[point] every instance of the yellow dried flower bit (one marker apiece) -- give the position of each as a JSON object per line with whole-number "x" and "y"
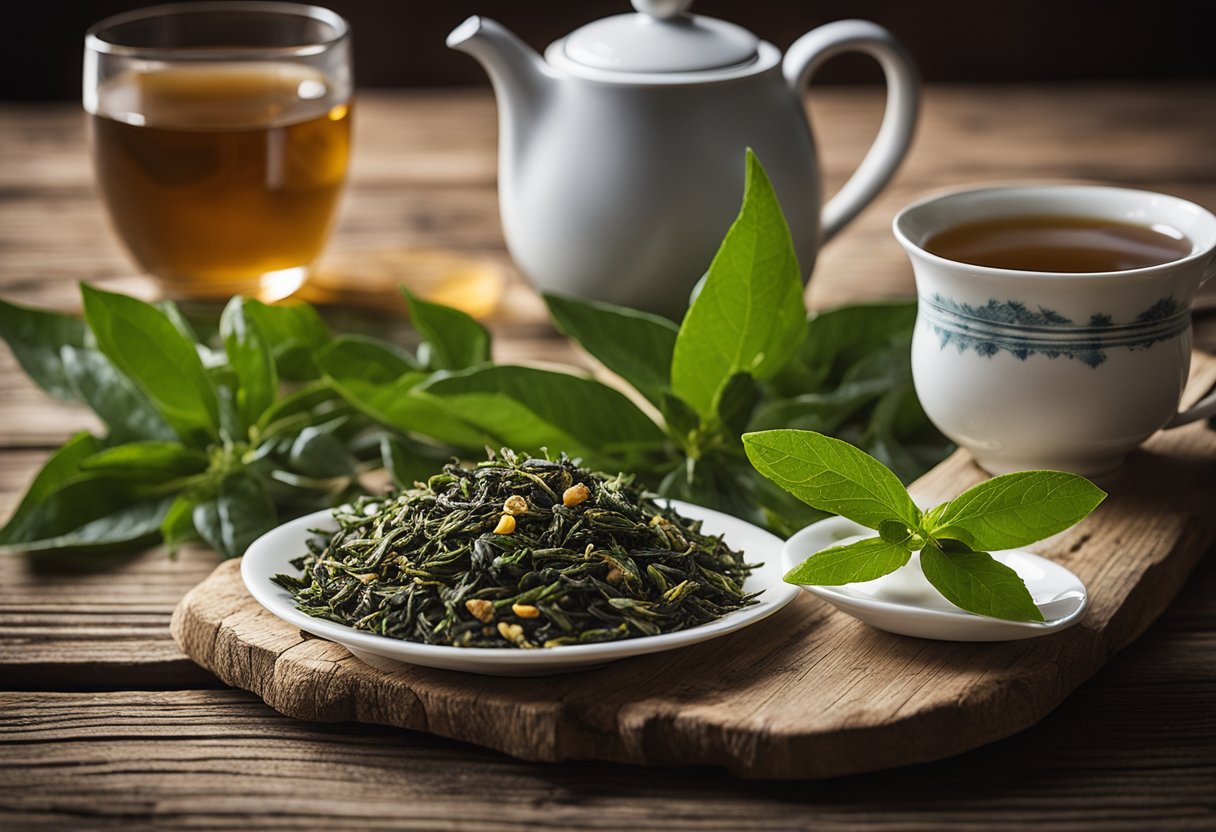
{"x": 515, "y": 504}
{"x": 513, "y": 633}
{"x": 506, "y": 525}
{"x": 575, "y": 494}
{"x": 368, "y": 577}
{"x": 525, "y": 610}
{"x": 480, "y": 609}
{"x": 614, "y": 576}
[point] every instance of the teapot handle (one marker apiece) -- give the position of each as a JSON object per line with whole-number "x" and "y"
{"x": 807, "y": 54}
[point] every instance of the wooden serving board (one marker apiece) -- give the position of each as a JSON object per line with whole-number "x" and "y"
{"x": 809, "y": 692}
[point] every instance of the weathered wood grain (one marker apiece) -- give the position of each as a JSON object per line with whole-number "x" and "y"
{"x": 91, "y": 622}
{"x": 807, "y": 693}
{"x": 102, "y": 623}
{"x": 1133, "y": 750}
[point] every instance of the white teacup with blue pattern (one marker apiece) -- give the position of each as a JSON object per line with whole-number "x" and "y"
{"x": 1068, "y": 371}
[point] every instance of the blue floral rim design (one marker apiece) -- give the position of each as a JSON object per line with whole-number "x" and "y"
{"x": 1013, "y": 327}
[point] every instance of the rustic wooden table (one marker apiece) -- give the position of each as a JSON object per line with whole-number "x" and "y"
{"x": 104, "y": 724}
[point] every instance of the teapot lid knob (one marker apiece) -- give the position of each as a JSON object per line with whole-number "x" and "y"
{"x": 662, "y": 37}
{"x": 662, "y": 9}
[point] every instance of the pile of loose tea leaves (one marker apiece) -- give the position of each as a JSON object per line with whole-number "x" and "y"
{"x": 517, "y": 552}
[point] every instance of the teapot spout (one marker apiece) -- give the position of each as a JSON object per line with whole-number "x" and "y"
{"x": 521, "y": 78}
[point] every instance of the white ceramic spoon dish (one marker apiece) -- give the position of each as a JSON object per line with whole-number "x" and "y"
{"x": 273, "y": 552}
{"x": 904, "y": 602}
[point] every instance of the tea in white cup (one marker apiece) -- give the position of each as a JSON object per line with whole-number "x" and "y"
{"x": 1065, "y": 342}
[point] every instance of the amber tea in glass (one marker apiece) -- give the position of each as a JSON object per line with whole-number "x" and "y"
{"x": 221, "y": 134}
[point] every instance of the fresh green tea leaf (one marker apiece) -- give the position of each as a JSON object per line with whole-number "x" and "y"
{"x": 1016, "y": 509}
{"x": 713, "y": 483}
{"x": 780, "y": 511}
{"x": 35, "y": 337}
{"x": 865, "y": 397}
{"x": 724, "y": 482}
{"x": 150, "y": 460}
{"x": 882, "y": 439}
{"x": 127, "y": 527}
{"x": 239, "y": 514}
{"x": 295, "y": 332}
{"x": 126, "y": 411}
{"x": 681, "y": 420}
{"x": 749, "y": 316}
{"x": 67, "y": 507}
{"x": 396, "y": 461}
{"x": 831, "y": 475}
{"x": 736, "y": 401}
{"x": 300, "y": 494}
{"x": 399, "y": 406}
{"x": 893, "y": 428}
{"x": 149, "y": 350}
{"x": 224, "y": 382}
{"x": 909, "y": 459}
{"x": 251, "y": 359}
{"x": 60, "y": 467}
{"x": 820, "y": 412}
{"x": 379, "y": 380}
{"x": 527, "y": 408}
{"x": 456, "y": 340}
{"x": 895, "y": 531}
{"x": 177, "y": 526}
{"x": 861, "y": 560}
{"x": 174, "y": 313}
{"x": 368, "y": 359}
{"x": 403, "y": 465}
{"x": 318, "y": 452}
{"x": 313, "y": 403}
{"x": 973, "y": 581}
{"x": 838, "y": 338}
{"x": 637, "y": 346}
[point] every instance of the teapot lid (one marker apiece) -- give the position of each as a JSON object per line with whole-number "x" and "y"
{"x": 661, "y": 37}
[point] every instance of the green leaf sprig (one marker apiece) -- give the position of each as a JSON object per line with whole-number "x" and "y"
{"x": 953, "y": 539}
{"x": 200, "y": 443}
{"x": 276, "y": 417}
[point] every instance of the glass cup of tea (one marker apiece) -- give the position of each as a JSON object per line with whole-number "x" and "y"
{"x": 220, "y": 135}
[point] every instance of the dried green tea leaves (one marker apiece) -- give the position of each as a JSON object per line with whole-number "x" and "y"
{"x": 518, "y": 552}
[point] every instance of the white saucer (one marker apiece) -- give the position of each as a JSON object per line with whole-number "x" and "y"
{"x": 273, "y": 552}
{"x": 904, "y": 602}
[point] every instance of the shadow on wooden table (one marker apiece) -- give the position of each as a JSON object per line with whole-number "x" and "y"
{"x": 67, "y": 563}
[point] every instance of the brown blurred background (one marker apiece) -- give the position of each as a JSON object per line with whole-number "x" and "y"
{"x": 400, "y": 44}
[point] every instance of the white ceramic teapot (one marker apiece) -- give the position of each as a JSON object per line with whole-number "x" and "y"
{"x": 621, "y": 152}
